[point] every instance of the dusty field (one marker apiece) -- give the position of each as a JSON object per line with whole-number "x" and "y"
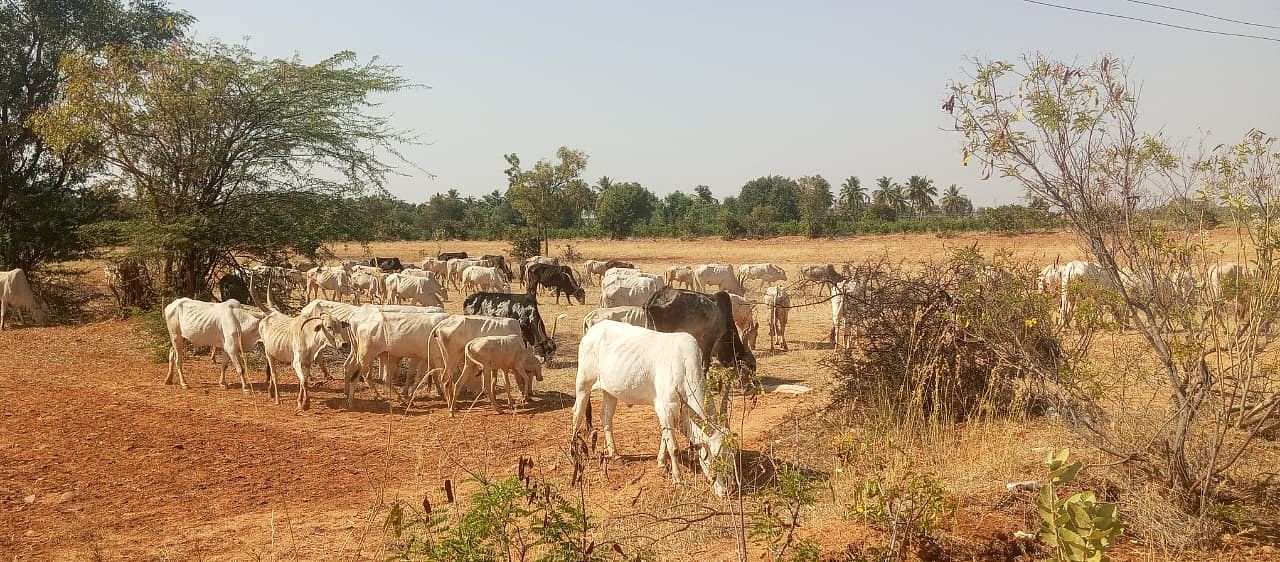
{"x": 99, "y": 460}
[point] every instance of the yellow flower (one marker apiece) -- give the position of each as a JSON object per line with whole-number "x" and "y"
{"x": 1030, "y": 322}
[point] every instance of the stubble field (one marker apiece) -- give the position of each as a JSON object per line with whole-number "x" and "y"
{"x": 99, "y": 460}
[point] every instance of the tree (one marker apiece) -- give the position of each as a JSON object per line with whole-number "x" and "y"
{"x": 622, "y": 205}
{"x": 676, "y": 205}
{"x": 890, "y": 195}
{"x": 549, "y": 191}
{"x": 775, "y": 191}
{"x": 1067, "y": 133}
{"x": 704, "y": 193}
{"x": 954, "y": 203}
{"x": 920, "y": 192}
{"x": 815, "y": 204}
{"x": 208, "y": 136}
{"x": 853, "y": 198}
{"x": 43, "y": 199}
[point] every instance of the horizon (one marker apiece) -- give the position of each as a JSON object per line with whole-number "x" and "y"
{"x": 736, "y": 93}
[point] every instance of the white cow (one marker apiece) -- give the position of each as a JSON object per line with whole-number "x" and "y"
{"x": 15, "y": 291}
{"x": 448, "y": 339}
{"x": 628, "y": 290}
{"x": 481, "y": 278}
{"x": 766, "y": 273}
{"x": 365, "y": 282}
{"x": 720, "y": 275}
{"x": 1077, "y": 277}
{"x": 682, "y": 274}
{"x": 440, "y": 268}
{"x": 415, "y": 272}
{"x": 388, "y": 337}
{"x": 1229, "y": 281}
{"x": 459, "y": 265}
{"x": 298, "y": 341}
{"x": 327, "y": 281}
{"x": 227, "y": 325}
{"x": 424, "y": 291}
{"x": 841, "y": 322}
{"x": 594, "y": 267}
{"x": 634, "y": 315}
{"x": 779, "y": 303}
{"x": 620, "y": 361}
{"x": 489, "y": 356}
{"x": 1050, "y": 280}
{"x": 744, "y": 317}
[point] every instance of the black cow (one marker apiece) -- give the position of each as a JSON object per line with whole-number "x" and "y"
{"x": 708, "y": 318}
{"x": 387, "y": 265}
{"x": 618, "y": 263}
{"x": 521, "y": 307}
{"x": 232, "y": 286}
{"x": 558, "y": 278}
{"x": 446, "y": 256}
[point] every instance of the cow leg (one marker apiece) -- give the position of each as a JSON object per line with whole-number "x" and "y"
{"x": 608, "y": 404}
{"x": 300, "y": 367}
{"x": 176, "y": 350}
{"x": 222, "y": 374}
{"x": 668, "y": 417}
{"x": 506, "y": 381}
{"x": 3, "y": 308}
{"x": 273, "y": 387}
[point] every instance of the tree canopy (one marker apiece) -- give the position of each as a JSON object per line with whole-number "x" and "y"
{"x": 43, "y": 198}
{"x": 208, "y": 136}
{"x": 621, "y": 205}
{"x": 551, "y": 193}
{"x": 775, "y": 191}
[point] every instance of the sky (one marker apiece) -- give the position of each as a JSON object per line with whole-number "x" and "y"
{"x": 679, "y": 94}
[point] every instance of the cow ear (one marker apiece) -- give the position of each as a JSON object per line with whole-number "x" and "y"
{"x": 319, "y": 327}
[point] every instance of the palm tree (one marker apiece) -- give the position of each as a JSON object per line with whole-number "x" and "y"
{"x": 954, "y": 203}
{"x": 890, "y": 194}
{"x": 853, "y": 197}
{"x": 920, "y": 192}
{"x": 605, "y": 182}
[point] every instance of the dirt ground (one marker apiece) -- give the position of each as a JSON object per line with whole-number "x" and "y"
{"x": 99, "y": 460}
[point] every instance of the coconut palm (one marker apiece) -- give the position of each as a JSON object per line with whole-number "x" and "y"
{"x": 920, "y": 192}
{"x": 890, "y": 194}
{"x": 954, "y": 203}
{"x": 853, "y": 197}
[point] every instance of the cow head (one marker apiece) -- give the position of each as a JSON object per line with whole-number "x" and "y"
{"x": 730, "y": 350}
{"x": 330, "y": 330}
{"x": 714, "y": 458}
{"x": 581, "y": 295}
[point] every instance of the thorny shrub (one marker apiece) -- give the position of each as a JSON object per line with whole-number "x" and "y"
{"x": 773, "y": 526}
{"x": 950, "y": 340}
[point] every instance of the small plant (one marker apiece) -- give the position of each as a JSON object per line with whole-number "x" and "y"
{"x": 1079, "y": 528}
{"x": 571, "y": 254}
{"x": 911, "y": 505}
{"x": 774, "y": 526}
{"x": 517, "y": 518}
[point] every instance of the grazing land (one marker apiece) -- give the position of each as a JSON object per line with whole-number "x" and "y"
{"x": 99, "y": 460}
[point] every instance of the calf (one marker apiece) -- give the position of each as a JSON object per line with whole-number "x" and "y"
{"x": 682, "y": 274}
{"x": 621, "y": 362}
{"x": 447, "y": 340}
{"x": 16, "y": 292}
{"x": 779, "y": 303}
{"x": 228, "y": 326}
{"x": 365, "y": 282}
{"x": 490, "y": 355}
{"x": 298, "y": 341}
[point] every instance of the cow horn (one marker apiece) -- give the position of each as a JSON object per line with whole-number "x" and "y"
{"x": 555, "y": 323}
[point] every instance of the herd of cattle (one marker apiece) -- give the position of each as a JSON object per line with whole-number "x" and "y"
{"x": 501, "y": 333}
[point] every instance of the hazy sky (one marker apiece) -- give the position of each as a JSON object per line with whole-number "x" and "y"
{"x": 676, "y": 94}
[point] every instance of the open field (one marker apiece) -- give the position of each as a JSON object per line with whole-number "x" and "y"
{"x": 98, "y": 459}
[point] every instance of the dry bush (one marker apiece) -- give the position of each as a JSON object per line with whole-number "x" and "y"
{"x": 948, "y": 341}
{"x": 131, "y": 285}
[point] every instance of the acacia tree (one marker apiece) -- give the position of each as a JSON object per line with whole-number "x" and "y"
{"x": 815, "y": 204}
{"x": 1067, "y": 133}
{"x": 43, "y": 200}
{"x": 209, "y": 139}
{"x": 550, "y": 191}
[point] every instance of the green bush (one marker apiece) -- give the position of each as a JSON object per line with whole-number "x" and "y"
{"x": 1079, "y": 528}
{"x": 525, "y": 244}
